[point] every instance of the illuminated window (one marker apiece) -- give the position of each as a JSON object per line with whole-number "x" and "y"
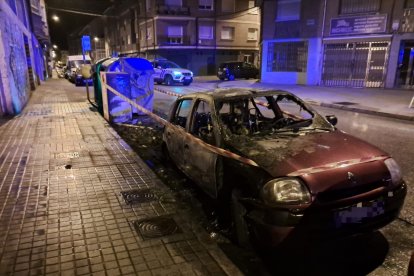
{"x": 287, "y": 56}
{"x": 358, "y": 6}
{"x": 175, "y": 34}
{"x": 205, "y": 32}
{"x": 205, "y": 5}
{"x": 288, "y": 10}
{"x": 227, "y": 33}
{"x": 252, "y": 34}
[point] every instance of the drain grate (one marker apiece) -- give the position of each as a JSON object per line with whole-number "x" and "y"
{"x": 345, "y": 103}
{"x": 156, "y": 227}
{"x": 139, "y": 196}
{"x": 67, "y": 155}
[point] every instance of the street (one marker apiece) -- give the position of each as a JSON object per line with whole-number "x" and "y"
{"x": 392, "y": 135}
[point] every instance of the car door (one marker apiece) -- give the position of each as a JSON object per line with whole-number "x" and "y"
{"x": 157, "y": 71}
{"x": 199, "y": 162}
{"x": 174, "y": 136}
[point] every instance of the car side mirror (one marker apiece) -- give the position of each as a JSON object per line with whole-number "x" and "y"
{"x": 332, "y": 119}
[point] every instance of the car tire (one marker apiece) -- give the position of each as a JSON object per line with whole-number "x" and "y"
{"x": 168, "y": 80}
{"x": 231, "y": 77}
{"x": 186, "y": 83}
{"x": 222, "y": 79}
{"x": 240, "y": 228}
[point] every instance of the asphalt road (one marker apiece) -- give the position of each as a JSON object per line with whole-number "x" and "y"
{"x": 383, "y": 253}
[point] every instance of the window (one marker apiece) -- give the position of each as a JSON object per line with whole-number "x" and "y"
{"x": 173, "y": 3}
{"x": 181, "y": 113}
{"x": 205, "y": 5}
{"x": 149, "y": 33}
{"x": 287, "y": 57}
{"x": 227, "y": 6}
{"x": 202, "y": 125}
{"x": 409, "y": 4}
{"x": 227, "y": 33}
{"x": 175, "y": 34}
{"x": 358, "y": 6}
{"x": 252, "y": 34}
{"x": 252, "y": 9}
{"x": 205, "y": 32}
{"x": 288, "y": 10}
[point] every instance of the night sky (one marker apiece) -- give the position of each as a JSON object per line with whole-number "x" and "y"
{"x": 70, "y": 22}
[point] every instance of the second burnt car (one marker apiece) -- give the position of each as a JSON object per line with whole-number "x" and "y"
{"x": 310, "y": 177}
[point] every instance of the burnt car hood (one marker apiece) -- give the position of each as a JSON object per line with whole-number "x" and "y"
{"x": 284, "y": 154}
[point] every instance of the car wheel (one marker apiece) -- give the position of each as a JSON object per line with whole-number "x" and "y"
{"x": 222, "y": 79}
{"x": 231, "y": 77}
{"x": 239, "y": 225}
{"x": 168, "y": 80}
{"x": 186, "y": 83}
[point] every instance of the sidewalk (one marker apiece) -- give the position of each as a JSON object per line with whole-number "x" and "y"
{"x": 65, "y": 176}
{"x": 377, "y": 101}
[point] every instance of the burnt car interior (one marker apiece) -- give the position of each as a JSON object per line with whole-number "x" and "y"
{"x": 256, "y": 115}
{"x": 202, "y": 125}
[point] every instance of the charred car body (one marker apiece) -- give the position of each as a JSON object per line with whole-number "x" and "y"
{"x": 309, "y": 176}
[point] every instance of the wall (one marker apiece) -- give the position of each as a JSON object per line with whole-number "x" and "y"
{"x": 15, "y": 78}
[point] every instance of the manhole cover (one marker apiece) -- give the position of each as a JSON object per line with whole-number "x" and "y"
{"x": 138, "y": 196}
{"x": 345, "y": 103}
{"x": 156, "y": 227}
{"x": 67, "y": 155}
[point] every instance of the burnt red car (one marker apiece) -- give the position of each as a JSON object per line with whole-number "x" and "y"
{"x": 310, "y": 177}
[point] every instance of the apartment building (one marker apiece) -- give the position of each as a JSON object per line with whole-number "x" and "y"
{"x": 196, "y": 34}
{"x": 339, "y": 42}
{"x": 24, "y": 41}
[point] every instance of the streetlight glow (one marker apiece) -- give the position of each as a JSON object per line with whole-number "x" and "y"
{"x": 96, "y": 38}
{"x": 55, "y": 18}
{"x": 55, "y": 46}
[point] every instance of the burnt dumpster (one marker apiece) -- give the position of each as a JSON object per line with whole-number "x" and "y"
{"x": 132, "y": 77}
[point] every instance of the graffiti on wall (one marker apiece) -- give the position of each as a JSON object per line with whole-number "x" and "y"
{"x": 15, "y": 55}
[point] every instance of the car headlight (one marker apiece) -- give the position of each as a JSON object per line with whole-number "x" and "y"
{"x": 285, "y": 191}
{"x": 176, "y": 73}
{"x": 394, "y": 170}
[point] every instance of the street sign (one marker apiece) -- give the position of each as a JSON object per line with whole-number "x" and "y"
{"x": 86, "y": 43}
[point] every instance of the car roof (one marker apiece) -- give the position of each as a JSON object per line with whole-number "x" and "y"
{"x": 235, "y": 93}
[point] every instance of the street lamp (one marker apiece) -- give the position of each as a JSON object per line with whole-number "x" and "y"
{"x": 55, "y": 18}
{"x": 55, "y": 46}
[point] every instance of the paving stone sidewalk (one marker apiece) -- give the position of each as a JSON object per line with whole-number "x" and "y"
{"x": 62, "y": 171}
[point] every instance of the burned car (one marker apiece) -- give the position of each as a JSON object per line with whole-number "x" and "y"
{"x": 302, "y": 175}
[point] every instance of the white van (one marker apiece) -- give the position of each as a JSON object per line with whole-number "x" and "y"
{"x": 73, "y": 68}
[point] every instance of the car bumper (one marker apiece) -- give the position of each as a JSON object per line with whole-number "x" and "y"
{"x": 222, "y": 74}
{"x": 275, "y": 227}
{"x": 83, "y": 80}
{"x": 183, "y": 79}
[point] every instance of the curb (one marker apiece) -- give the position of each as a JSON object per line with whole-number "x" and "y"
{"x": 364, "y": 111}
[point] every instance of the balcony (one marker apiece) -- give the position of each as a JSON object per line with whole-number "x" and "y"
{"x": 174, "y": 40}
{"x": 173, "y": 10}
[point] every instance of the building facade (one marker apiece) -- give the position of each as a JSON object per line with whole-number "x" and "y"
{"x": 24, "y": 38}
{"x": 339, "y": 42}
{"x": 196, "y": 34}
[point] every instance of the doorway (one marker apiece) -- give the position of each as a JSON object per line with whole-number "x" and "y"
{"x": 405, "y": 68}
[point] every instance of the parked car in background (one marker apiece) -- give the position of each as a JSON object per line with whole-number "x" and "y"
{"x": 237, "y": 69}
{"x": 310, "y": 178}
{"x": 73, "y": 69}
{"x": 169, "y": 73}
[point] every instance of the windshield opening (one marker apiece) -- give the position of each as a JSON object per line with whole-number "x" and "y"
{"x": 267, "y": 115}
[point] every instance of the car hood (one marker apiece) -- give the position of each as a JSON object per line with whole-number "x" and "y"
{"x": 181, "y": 70}
{"x": 286, "y": 154}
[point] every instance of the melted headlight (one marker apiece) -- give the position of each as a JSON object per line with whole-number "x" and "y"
{"x": 395, "y": 171}
{"x": 286, "y": 191}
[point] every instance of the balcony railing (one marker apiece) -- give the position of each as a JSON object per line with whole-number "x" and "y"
{"x": 174, "y": 40}
{"x": 173, "y": 10}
